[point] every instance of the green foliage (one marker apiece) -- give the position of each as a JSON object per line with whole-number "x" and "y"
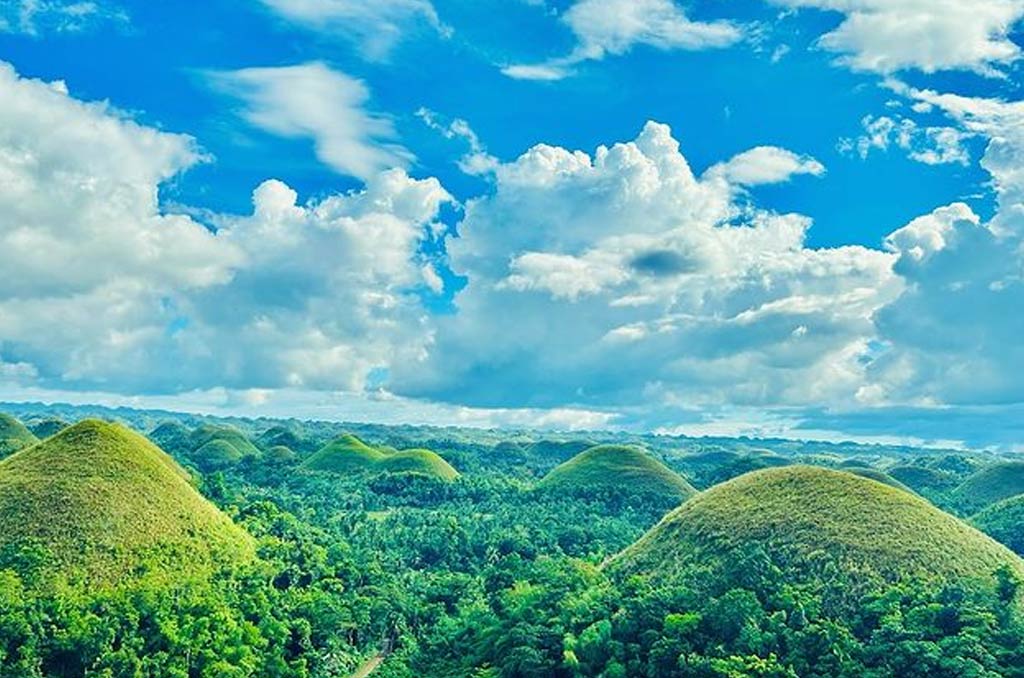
{"x": 102, "y": 501}
{"x": 989, "y": 485}
{"x": 782, "y": 573}
{"x": 350, "y": 455}
{"x": 13, "y": 435}
{"x": 618, "y": 469}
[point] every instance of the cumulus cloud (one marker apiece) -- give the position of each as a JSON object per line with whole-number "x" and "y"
{"x": 932, "y": 145}
{"x": 38, "y": 17}
{"x": 765, "y": 165}
{"x": 614, "y": 27}
{"x": 953, "y": 336}
{"x": 313, "y": 101}
{"x": 886, "y": 36}
{"x": 104, "y": 288}
{"x": 624, "y": 279}
{"x": 376, "y": 27}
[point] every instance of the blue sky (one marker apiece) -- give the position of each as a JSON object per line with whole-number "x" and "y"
{"x": 407, "y": 256}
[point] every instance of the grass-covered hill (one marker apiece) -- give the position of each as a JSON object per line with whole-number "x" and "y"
{"x": 350, "y": 455}
{"x": 618, "y": 469}
{"x": 879, "y": 476}
{"x": 989, "y": 485}
{"x": 105, "y": 504}
{"x": 1004, "y": 522}
{"x": 14, "y": 435}
{"x": 814, "y": 525}
{"x": 924, "y": 480}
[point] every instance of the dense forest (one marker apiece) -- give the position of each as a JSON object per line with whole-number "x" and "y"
{"x": 140, "y": 543}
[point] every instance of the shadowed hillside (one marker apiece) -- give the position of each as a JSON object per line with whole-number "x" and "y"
{"x": 13, "y": 435}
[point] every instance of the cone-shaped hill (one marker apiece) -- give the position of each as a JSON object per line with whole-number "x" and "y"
{"x": 107, "y": 505}
{"x": 619, "y": 469}
{"x": 808, "y": 521}
{"x": 990, "y": 484}
{"x": 13, "y": 435}
{"x": 350, "y": 455}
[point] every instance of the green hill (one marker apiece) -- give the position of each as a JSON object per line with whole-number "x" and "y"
{"x": 217, "y": 455}
{"x": 808, "y": 521}
{"x": 207, "y": 433}
{"x": 878, "y": 476}
{"x": 350, "y": 455}
{"x": 617, "y": 468}
{"x": 13, "y": 435}
{"x": 924, "y": 480}
{"x": 1004, "y": 522}
{"x": 106, "y": 505}
{"x": 989, "y": 485}
{"x": 281, "y": 454}
{"x": 424, "y": 462}
{"x": 44, "y": 428}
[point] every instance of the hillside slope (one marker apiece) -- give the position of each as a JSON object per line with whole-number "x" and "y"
{"x": 14, "y": 435}
{"x": 107, "y": 505}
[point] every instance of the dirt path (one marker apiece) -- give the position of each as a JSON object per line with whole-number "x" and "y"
{"x": 369, "y": 666}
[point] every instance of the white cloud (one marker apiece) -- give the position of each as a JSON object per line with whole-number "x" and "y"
{"x": 622, "y": 279}
{"x": 477, "y": 161}
{"x": 315, "y": 102}
{"x": 614, "y": 27}
{"x": 38, "y": 17}
{"x": 938, "y": 145}
{"x": 886, "y": 36}
{"x": 376, "y": 26}
{"x": 765, "y": 165}
{"x": 103, "y": 288}
{"x": 953, "y": 336}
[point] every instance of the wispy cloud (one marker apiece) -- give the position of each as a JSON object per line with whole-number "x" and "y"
{"x": 614, "y": 27}
{"x": 316, "y": 102}
{"x": 376, "y": 26}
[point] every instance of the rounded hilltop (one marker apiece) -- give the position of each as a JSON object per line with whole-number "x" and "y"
{"x": 106, "y": 505}
{"x": 989, "y": 485}
{"x": 349, "y": 455}
{"x": 14, "y": 435}
{"x": 619, "y": 469}
{"x": 808, "y": 521}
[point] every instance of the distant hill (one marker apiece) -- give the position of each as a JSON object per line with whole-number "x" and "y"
{"x": 880, "y": 476}
{"x": 1004, "y": 522}
{"x": 618, "y": 468}
{"x": 350, "y": 455}
{"x": 989, "y": 485}
{"x": 106, "y": 505}
{"x": 808, "y": 521}
{"x": 14, "y": 435}
{"x": 46, "y": 427}
{"x": 924, "y": 480}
